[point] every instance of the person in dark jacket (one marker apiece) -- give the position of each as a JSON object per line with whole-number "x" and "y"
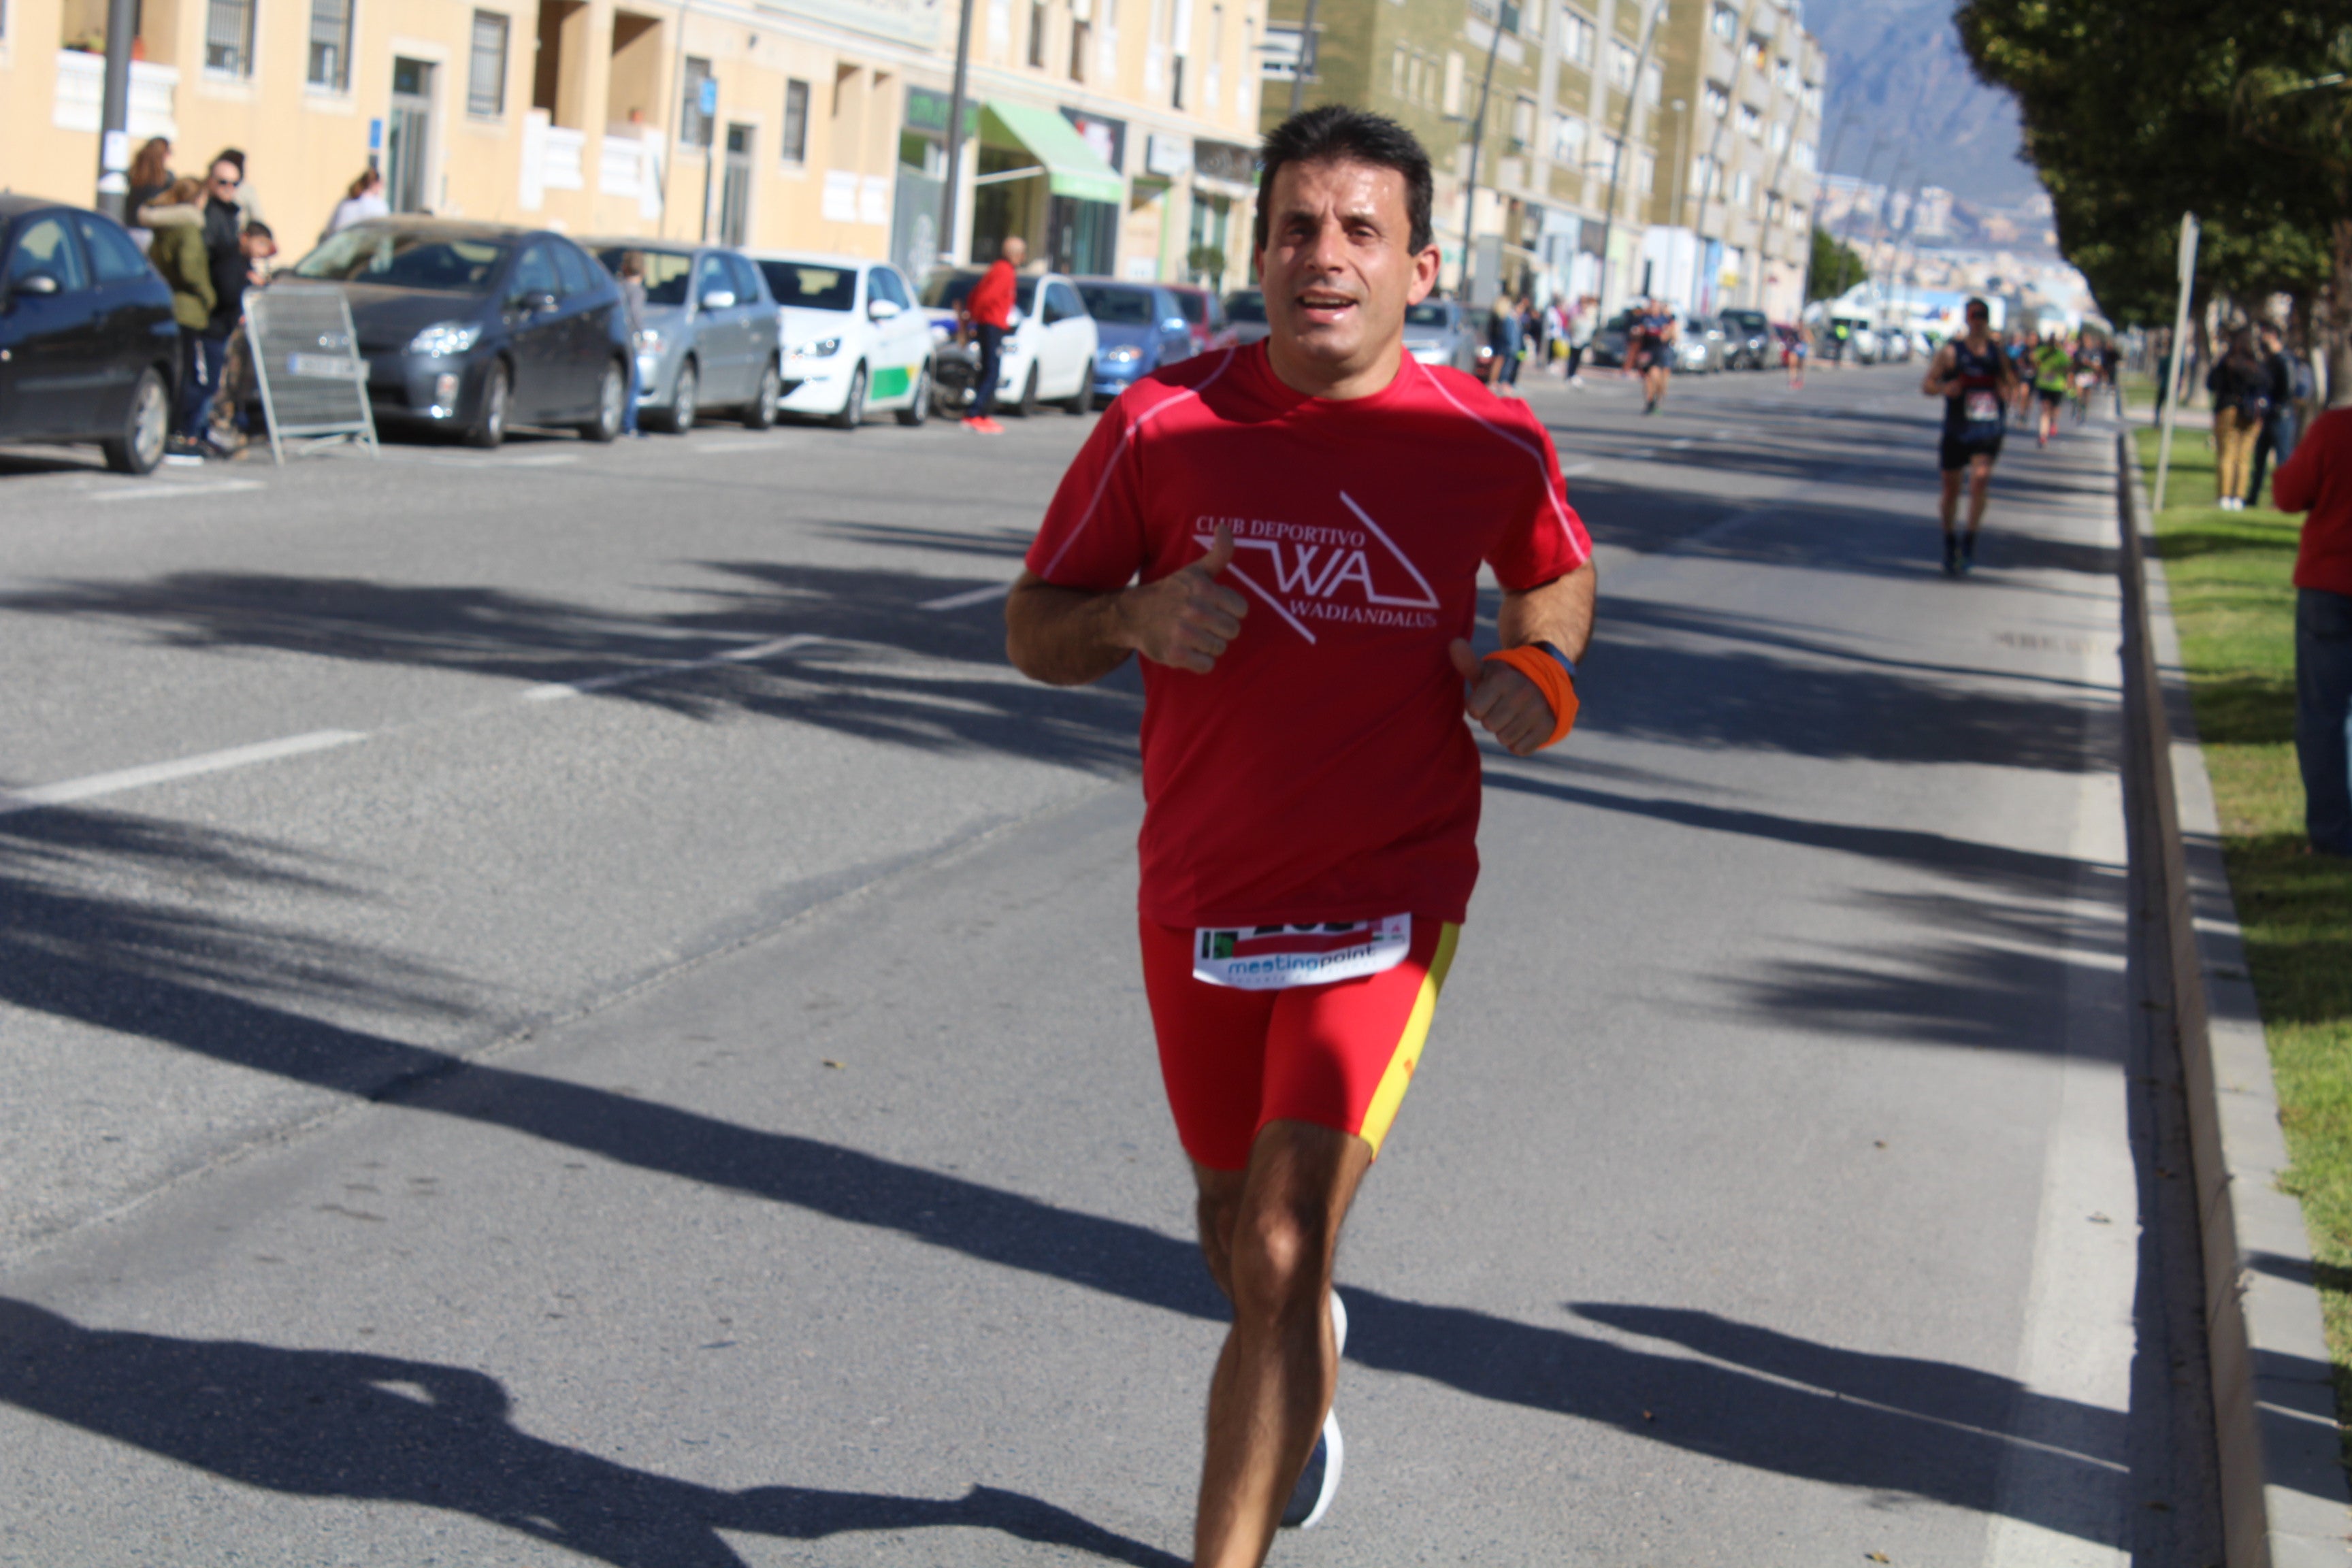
{"x": 2241, "y": 388}
{"x": 2318, "y": 480}
{"x": 177, "y": 250}
{"x": 224, "y": 257}
{"x": 2276, "y": 441}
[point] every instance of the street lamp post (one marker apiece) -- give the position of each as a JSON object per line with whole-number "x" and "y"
{"x": 947, "y": 250}
{"x": 114, "y": 110}
{"x": 1305, "y": 57}
{"x": 1478, "y": 138}
{"x": 1624, "y": 134}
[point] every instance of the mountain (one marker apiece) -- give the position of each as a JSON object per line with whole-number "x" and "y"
{"x": 1897, "y": 72}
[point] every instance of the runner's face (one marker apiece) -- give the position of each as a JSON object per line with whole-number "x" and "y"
{"x": 1338, "y": 269}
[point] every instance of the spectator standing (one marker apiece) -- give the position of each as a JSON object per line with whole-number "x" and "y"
{"x": 151, "y": 177}
{"x": 237, "y": 385}
{"x": 1506, "y": 336}
{"x": 362, "y": 202}
{"x": 1579, "y": 337}
{"x": 223, "y": 227}
{"x": 2283, "y": 419}
{"x": 988, "y": 312}
{"x": 2241, "y": 400}
{"x": 2318, "y": 480}
{"x": 177, "y": 249}
{"x": 632, "y": 278}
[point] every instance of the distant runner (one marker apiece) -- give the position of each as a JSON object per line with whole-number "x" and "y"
{"x": 1289, "y": 534}
{"x": 2053, "y": 373}
{"x": 1972, "y": 375}
{"x": 1652, "y": 338}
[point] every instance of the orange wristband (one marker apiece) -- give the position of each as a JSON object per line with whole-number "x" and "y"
{"x": 1558, "y": 690}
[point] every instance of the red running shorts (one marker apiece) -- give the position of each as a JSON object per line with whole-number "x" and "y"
{"x": 1339, "y": 1056}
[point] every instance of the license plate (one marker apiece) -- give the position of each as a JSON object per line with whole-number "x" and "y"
{"x": 326, "y": 368}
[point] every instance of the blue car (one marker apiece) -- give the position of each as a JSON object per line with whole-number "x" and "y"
{"x": 1138, "y": 328}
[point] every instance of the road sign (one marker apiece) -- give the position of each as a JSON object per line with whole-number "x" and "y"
{"x": 710, "y": 95}
{"x": 375, "y": 135}
{"x": 307, "y": 358}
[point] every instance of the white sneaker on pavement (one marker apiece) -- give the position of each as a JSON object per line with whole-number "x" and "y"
{"x": 1311, "y": 1499}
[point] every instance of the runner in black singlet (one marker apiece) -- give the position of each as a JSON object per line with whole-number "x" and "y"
{"x": 1653, "y": 338}
{"x": 1973, "y": 376}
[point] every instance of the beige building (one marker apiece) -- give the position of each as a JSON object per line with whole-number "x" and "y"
{"x": 1567, "y": 152}
{"x": 1114, "y": 133}
{"x": 1743, "y": 85}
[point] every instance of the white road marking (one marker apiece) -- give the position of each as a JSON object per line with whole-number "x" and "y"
{"x": 969, "y": 596}
{"x": 1573, "y": 469}
{"x": 539, "y": 460}
{"x": 707, "y": 448}
{"x": 555, "y": 691}
{"x": 168, "y": 490}
{"x": 186, "y": 767}
{"x": 1678, "y": 445}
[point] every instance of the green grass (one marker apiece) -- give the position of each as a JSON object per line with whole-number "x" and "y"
{"x": 2233, "y": 603}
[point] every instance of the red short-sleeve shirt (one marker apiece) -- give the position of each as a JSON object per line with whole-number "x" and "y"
{"x": 1323, "y": 771}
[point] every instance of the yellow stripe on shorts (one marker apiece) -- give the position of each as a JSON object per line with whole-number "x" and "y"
{"x": 1399, "y": 1076}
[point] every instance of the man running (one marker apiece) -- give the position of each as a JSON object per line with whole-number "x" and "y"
{"x": 1653, "y": 336}
{"x": 1289, "y": 534}
{"x": 1972, "y": 375}
{"x": 2053, "y": 367}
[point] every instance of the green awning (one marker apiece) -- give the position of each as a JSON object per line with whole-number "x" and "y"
{"x": 1073, "y": 168}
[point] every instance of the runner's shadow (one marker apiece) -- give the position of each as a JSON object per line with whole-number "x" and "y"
{"x": 340, "y": 1424}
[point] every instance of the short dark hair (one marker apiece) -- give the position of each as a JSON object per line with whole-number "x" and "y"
{"x": 1976, "y": 305}
{"x": 1336, "y": 133}
{"x": 230, "y": 155}
{"x": 260, "y": 230}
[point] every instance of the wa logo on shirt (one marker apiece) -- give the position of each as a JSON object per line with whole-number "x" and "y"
{"x": 1350, "y": 573}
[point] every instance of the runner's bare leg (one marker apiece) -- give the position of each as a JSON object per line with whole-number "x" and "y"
{"x": 1980, "y": 490}
{"x": 1269, "y": 1234}
{"x": 1948, "y": 505}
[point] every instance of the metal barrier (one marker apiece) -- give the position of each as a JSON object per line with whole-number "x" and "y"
{"x": 313, "y": 378}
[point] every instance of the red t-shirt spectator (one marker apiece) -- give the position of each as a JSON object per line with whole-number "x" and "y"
{"x": 1323, "y": 770}
{"x": 990, "y": 301}
{"x": 2318, "y": 480}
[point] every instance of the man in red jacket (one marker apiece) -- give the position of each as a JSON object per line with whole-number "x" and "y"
{"x": 988, "y": 310}
{"x": 2318, "y": 480}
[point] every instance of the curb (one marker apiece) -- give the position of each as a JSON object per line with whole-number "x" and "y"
{"x": 2284, "y": 1495}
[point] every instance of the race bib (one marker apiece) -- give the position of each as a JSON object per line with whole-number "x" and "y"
{"x": 1982, "y": 407}
{"x": 1274, "y": 958}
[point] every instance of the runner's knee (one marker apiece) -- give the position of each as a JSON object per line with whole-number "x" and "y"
{"x": 1281, "y": 1254}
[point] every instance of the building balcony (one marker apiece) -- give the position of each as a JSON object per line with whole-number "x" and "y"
{"x": 81, "y": 96}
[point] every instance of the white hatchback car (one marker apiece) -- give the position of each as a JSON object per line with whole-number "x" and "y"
{"x": 853, "y": 338}
{"x": 1049, "y": 353}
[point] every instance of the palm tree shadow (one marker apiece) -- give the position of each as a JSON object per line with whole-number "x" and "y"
{"x": 347, "y": 1425}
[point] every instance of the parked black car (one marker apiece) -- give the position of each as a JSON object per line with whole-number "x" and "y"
{"x": 473, "y": 327}
{"x": 88, "y": 351}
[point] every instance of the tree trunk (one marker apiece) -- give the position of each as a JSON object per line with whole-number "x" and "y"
{"x": 2338, "y": 386}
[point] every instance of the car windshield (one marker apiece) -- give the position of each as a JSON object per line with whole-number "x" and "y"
{"x": 404, "y": 258}
{"x": 1121, "y": 307}
{"x": 667, "y": 272}
{"x": 1248, "y": 305}
{"x": 944, "y": 290}
{"x": 1745, "y": 321}
{"x": 1195, "y": 307}
{"x": 810, "y": 286}
{"x": 1621, "y": 322}
{"x": 1428, "y": 314}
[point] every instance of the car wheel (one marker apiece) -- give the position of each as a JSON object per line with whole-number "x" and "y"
{"x": 760, "y": 414}
{"x": 140, "y": 446}
{"x": 489, "y": 427}
{"x": 686, "y": 402}
{"x": 1028, "y": 403}
{"x": 1082, "y": 401}
{"x": 920, "y": 407}
{"x": 853, "y": 407}
{"x": 611, "y": 391}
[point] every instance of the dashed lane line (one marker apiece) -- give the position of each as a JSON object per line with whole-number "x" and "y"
{"x": 967, "y": 597}
{"x": 96, "y": 784}
{"x": 71, "y": 791}
{"x": 168, "y": 490}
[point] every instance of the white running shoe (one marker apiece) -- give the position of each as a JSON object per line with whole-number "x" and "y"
{"x": 1311, "y": 1499}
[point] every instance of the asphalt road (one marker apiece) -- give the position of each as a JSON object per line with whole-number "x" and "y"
{"x": 565, "y": 1006}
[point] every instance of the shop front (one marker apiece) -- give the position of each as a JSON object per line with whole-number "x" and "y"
{"x": 1040, "y": 179}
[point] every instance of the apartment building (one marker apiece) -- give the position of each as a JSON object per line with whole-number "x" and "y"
{"x": 1109, "y": 133}
{"x": 1743, "y": 88}
{"x": 1568, "y": 152}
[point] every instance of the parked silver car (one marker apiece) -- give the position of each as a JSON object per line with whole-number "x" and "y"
{"x": 1700, "y": 349}
{"x": 1245, "y": 309}
{"x": 709, "y": 339}
{"x": 1440, "y": 331}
